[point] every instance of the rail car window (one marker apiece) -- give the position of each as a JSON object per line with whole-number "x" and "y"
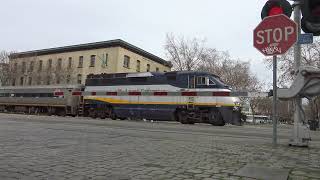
{"x": 4, "y": 94}
{"x": 28, "y": 95}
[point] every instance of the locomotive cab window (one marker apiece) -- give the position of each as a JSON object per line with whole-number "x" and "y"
{"x": 205, "y": 81}
{"x": 201, "y": 80}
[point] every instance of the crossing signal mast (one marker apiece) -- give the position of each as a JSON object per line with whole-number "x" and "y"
{"x": 310, "y": 24}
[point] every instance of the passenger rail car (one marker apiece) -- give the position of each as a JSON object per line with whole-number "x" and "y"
{"x": 187, "y": 97}
{"x": 58, "y": 100}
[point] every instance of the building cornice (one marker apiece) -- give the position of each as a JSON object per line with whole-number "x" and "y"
{"x": 90, "y": 46}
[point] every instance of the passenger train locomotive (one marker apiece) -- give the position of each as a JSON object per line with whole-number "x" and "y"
{"x": 184, "y": 96}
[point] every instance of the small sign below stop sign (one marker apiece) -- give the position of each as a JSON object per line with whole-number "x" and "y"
{"x": 275, "y": 35}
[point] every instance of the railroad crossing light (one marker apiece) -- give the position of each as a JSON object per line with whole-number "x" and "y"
{"x": 275, "y": 7}
{"x": 310, "y": 22}
{"x": 270, "y": 93}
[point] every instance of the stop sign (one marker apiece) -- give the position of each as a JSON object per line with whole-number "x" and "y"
{"x": 275, "y": 35}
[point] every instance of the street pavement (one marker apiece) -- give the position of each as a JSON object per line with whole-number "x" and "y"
{"x": 43, "y": 147}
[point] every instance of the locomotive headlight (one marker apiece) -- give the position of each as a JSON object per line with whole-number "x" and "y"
{"x": 237, "y": 106}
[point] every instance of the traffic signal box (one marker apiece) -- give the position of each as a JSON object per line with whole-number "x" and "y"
{"x": 310, "y": 22}
{"x": 275, "y": 7}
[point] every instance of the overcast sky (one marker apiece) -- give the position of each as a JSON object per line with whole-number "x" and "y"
{"x": 227, "y": 25}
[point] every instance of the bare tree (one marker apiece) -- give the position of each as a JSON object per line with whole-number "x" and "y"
{"x": 5, "y": 73}
{"x": 233, "y": 72}
{"x": 185, "y": 54}
{"x": 310, "y": 57}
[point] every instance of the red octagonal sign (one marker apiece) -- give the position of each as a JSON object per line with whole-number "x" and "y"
{"x": 275, "y": 35}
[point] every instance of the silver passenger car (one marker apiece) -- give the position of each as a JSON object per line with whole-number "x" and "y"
{"x": 59, "y": 100}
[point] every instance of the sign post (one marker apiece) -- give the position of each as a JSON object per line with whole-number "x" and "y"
{"x": 274, "y": 36}
{"x": 274, "y": 104}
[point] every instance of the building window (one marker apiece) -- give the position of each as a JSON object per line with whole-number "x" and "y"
{"x": 80, "y": 65}
{"x": 92, "y": 60}
{"x": 79, "y": 77}
{"x": 68, "y": 79}
{"x": 40, "y": 65}
{"x": 106, "y": 60}
{"x": 157, "y": 69}
{"x": 58, "y": 79}
{"x": 39, "y": 80}
{"x": 138, "y": 66}
{"x": 31, "y": 66}
{"x": 126, "y": 61}
{"x": 48, "y": 80}
{"x": 13, "y": 82}
{"x": 148, "y": 67}
{"x": 29, "y": 81}
{"x": 23, "y": 69}
{"x": 15, "y": 67}
{"x": 49, "y": 63}
{"x": 70, "y": 62}
{"x": 21, "y": 81}
{"x": 59, "y": 65}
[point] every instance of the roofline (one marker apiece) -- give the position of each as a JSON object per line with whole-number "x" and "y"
{"x": 94, "y": 45}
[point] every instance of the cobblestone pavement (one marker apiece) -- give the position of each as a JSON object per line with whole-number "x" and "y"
{"x": 41, "y": 147}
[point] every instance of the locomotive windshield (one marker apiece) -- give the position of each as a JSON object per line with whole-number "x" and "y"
{"x": 219, "y": 81}
{"x": 206, "y": 81}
